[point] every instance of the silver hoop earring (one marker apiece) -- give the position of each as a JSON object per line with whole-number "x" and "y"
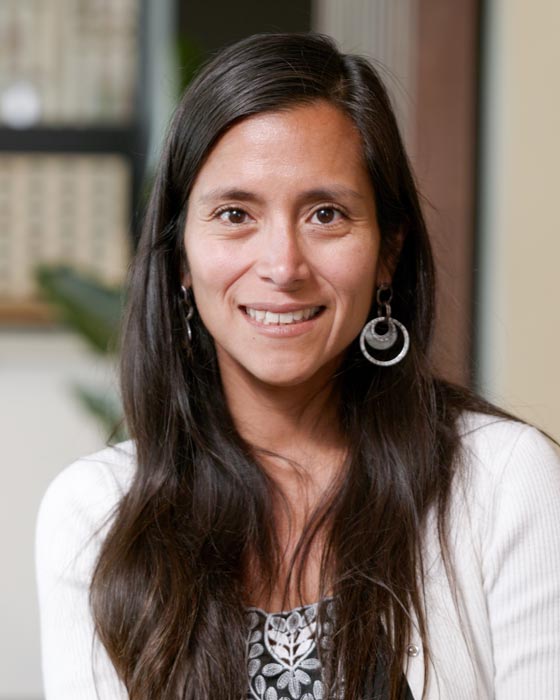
{"x": 386, "y": 340}
{"x": 189, "y": 310}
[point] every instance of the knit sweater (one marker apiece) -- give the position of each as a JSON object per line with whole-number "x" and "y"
{"x": 495, "y": 634}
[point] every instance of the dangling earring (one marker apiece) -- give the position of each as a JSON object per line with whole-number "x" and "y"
{"x": 386, "y": 340}
{"x": 189, "y": 312}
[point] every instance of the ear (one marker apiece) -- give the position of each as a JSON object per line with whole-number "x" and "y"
{"x": 186, "y": 280}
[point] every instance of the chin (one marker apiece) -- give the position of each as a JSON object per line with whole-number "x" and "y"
{"x": 292, "y": 377}
{"x": 274, "y": 370}
{"x": 284, "y": 382}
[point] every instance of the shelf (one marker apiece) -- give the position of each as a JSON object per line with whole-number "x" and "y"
{"x": 110, "y": 139}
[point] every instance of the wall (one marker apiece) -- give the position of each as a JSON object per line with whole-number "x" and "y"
{"x": 519, "y": 250}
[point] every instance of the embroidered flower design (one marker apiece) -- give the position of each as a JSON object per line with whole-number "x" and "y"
{"x": 282, "y": 654}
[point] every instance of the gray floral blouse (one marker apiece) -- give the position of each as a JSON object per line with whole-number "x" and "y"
{"x": 282, "y": 652}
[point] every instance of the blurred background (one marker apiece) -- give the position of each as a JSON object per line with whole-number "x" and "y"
{"x": 86, "y": 89}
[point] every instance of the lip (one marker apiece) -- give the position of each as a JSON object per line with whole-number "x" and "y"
{"x": 278, "y": 308}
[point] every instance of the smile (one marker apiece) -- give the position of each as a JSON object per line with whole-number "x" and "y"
{"x": 270, "y": 318}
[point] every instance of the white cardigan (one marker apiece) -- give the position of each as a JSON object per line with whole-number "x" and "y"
{"x": 504, "y": 642}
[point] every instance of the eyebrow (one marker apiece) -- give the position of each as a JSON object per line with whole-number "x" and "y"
{"x": 331, "y": 192}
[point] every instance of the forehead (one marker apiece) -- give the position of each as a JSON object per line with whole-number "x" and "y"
{"x": 303, "y": 143}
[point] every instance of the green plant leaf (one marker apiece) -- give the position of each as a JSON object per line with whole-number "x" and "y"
{"x": 91, "y": 308}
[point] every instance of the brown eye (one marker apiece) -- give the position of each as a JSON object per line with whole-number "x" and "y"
{"x": 326, "y": 215}
{"x": 233, "y": 216}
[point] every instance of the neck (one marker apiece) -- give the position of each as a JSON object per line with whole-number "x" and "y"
{"x": 296, "y": 436}
{"x": 296, "y": 423}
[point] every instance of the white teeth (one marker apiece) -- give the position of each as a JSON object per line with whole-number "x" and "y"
{"x": 271, "y": 318}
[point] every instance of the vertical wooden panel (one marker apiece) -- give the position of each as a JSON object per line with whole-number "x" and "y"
{"x": 444, "y": 155}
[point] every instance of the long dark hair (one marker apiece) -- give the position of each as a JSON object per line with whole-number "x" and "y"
{"x": 168, "y": 590}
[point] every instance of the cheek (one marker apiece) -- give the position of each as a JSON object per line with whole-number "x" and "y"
{"x": 355, "y": 277}
{"x": 212, "y": 269}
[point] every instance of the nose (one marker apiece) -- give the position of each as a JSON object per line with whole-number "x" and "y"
{"x": 282, "y": 259}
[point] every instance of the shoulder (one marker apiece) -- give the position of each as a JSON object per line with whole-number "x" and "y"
{"x": 509, "y": 469}
{"x": 92, "y": 485}
{"x": 495, "y": 449}
{"x": 77, "y": 507}
{"x": 109, "y": 470}
{"x": 74, "y": 516}
{"x": 511, "y": 489}
{"x": 502, "y": 600}
{"x": 498, "y": 450}
{"x": 513, "y": 534}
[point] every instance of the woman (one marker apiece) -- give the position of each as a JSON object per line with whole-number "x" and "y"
{"x": 304, "y": 510}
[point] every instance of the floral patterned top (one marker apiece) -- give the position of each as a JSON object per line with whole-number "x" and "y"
{"x": 283, "y": 654}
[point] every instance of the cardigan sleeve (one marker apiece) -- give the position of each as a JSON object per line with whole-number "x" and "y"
{"x": 73, "y": 517}
{"x": 521, "y": 570}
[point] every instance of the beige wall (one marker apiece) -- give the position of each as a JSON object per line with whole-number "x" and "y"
{"x": 519, "y": 295}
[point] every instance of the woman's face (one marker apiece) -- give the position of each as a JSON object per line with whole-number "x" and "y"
{"x": 283, "y": 244}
